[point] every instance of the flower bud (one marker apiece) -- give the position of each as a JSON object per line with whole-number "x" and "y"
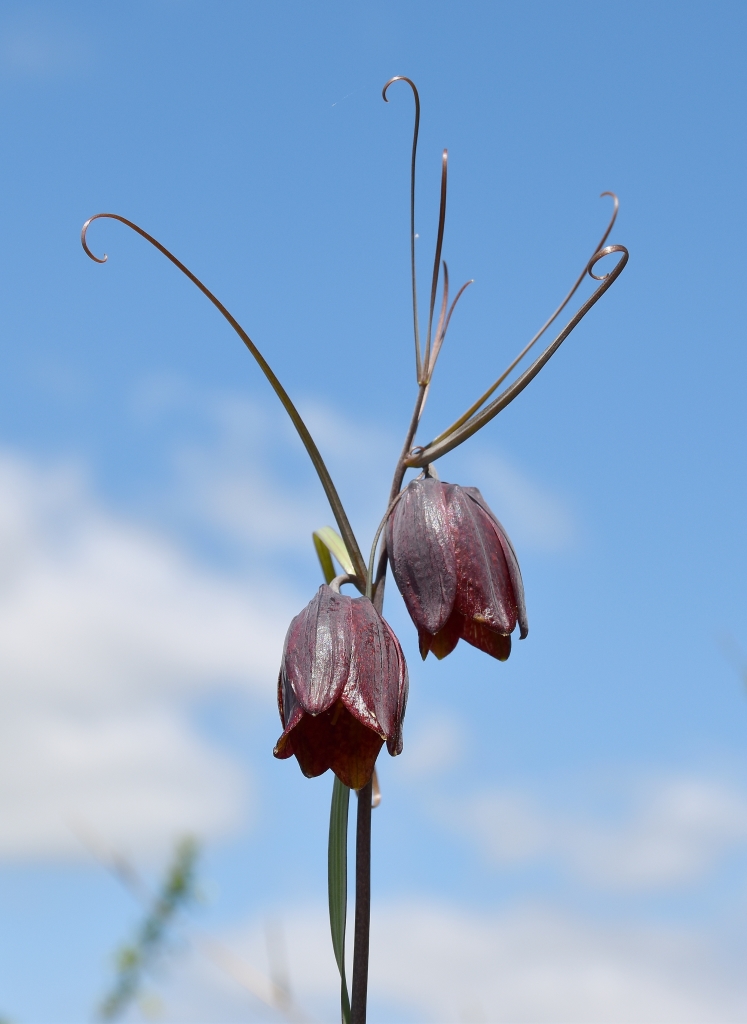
{"x": 455, "y": 568}
{"x": 342, "y": 688}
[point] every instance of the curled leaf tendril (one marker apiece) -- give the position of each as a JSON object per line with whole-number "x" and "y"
{"x": 436, "y": 263}
{"x": 430, "y": 365}
{"x": 515, "y": 362}
{"x": 416, "y": 129}
{"x": 326, "y": 480}
{"x": 436, "y": 448}
{"x": 443, "y": 325}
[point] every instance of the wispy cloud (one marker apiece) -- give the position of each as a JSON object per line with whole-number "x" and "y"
{"x": 249, "y": 479}
{"x": 674, "y": 831}
{"x": 108, "y": 632}
{"x": 432, "y": 961}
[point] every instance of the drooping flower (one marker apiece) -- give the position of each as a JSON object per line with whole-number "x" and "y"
{"x": 342, "y": 688}
{"x": 455, "y": 568}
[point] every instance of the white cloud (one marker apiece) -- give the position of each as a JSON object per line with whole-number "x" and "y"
{"x": 357, "y": 443}
{"x": 110, "y": 630}
{"x": 438, "y": 962}
{"x": 534, "y": 965}
{"x": 135, "y": 780}
{"x": 233, "y": 482}
{"x": 253, "y": 481}
{"x": 676, "y": 830}
{"x": 232, "y": 485}
{"x": 249, "y": 475}
{"x": 107, "y": 632}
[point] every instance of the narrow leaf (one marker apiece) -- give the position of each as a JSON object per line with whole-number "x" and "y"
{"x": 334, "y": 544}
{"x": 337, "y": 866}
{"x": 325, "y": 559}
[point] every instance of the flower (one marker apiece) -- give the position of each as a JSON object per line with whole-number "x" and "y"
{"x": 455, "y": 568}
{"x": 342, "y": 688}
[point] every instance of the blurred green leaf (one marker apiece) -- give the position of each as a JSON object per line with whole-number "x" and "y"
{"x": 133, "y": 960}
{"x": 337, "y": 867}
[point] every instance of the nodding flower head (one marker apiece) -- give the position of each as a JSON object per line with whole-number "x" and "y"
{"x": 455, "y": 568}
{"x": 342, "y": 688}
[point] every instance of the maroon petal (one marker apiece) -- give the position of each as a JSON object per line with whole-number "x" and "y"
{"x": 511, "y": 560}
{"x": 420, "y": 551}
{"x": 333, "y": 739}
{"x": 291, "y": 714}
{"x": 445, "y": 640}
{"x": 394, "y": 741}
{"x": 484, "y": 588}
{"x": 290, "y": 710}
{"x": 316, "y": 657}
{"x": 485, "y": 639}
{"x": 376, "y": 689}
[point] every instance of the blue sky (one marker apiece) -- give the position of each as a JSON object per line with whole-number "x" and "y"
{"x": 565, "y": 836}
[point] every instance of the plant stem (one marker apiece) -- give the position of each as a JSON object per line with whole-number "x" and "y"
{"x": 434, "y": 450}
{"x": 325, "y": 479}
{"x": 399, "y": 474}
{"x": 362, "y": 906}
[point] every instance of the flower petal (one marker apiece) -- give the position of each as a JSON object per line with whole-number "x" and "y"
{"x": 485, "y": 639}
{"x": 445, "y": 640}
{"x": 334, "y": 739}
{"x": 421, "y": 553}
{"x": 342, "y": 688}
{"x": 484, "y": 589}
{"x": 511, "y": 560}
{"x": 291, "y": 713}
{"x": 316, "y": 657}
{"x": 376, "y": 688}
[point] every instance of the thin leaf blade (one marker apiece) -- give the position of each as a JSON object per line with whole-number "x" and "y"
{"x": 332, "y": 542}
{"x": 325, "y": 559}
{"x": 337, "y": 875}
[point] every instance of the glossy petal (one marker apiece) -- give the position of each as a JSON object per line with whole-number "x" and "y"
{"x": 316, "y": 656}
{"x": 376, "y": 690}
{"x": 336, "y": 740}
{"x": 484, "y": 590}
{"x": 342, "y": 688}
{"x": 497, "y": 645}
{"x": 445, "y": 640}
{"x": 456, "y": 569}
{"x": 511, "y": 560}
{"x": 421, "y": 553}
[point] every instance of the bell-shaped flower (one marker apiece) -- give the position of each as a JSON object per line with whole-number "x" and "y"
{"x": 342, "y": 688}
{"x": 455, "y": 568}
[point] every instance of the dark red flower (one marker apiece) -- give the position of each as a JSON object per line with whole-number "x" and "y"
{"x": 342, "y": 688}
{"x": 456, "y": 569}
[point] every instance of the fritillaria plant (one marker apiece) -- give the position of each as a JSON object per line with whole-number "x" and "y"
{"x": 342, "y": 688}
